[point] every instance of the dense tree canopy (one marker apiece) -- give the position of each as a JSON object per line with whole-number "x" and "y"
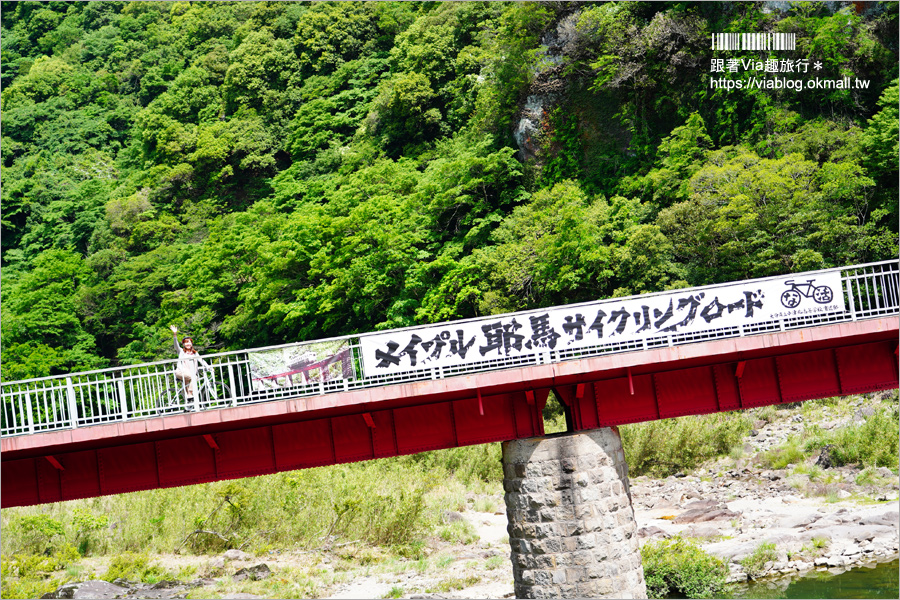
{"x": 266, "y": 172}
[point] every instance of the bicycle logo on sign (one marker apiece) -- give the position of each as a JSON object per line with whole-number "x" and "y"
{"x": 822, "y": 294}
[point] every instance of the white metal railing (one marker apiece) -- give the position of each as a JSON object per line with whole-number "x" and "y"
{"x": 141, "y": 391}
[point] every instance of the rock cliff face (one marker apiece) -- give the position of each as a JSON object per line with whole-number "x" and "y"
{"x": 548, "y": 86}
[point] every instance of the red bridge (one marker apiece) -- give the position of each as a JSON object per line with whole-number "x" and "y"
{"x": 121, "y": 430}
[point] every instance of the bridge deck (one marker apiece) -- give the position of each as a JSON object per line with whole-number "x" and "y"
{"x": 784, "y": 359}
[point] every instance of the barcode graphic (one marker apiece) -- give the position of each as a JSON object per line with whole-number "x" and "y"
{"x": 754, "y": 41}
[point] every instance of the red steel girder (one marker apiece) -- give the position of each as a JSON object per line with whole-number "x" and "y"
{"x": 402, "y": 419}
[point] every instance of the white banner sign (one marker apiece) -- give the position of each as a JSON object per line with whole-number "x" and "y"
{"x": 604, "y": 322}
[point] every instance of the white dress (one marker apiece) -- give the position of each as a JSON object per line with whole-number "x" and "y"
{"x": 186, "y": 371}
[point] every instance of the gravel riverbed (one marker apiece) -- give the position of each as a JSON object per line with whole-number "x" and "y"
{"x": 817, "y": 517}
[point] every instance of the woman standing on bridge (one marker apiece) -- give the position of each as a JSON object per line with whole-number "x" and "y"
{"x": 186, "y": 371}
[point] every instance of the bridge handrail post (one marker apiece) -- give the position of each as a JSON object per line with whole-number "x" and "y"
{"x": 123, "y": 401}
{"x": 73, "y": 409}
{"x": 850, "y": 298}
{"x": 234, "y": 398}
{"x": 29, "y": 409}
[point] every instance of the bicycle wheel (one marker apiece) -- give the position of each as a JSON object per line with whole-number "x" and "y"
{"x": 823, "y": 294}
{"x": 791, "y": 298}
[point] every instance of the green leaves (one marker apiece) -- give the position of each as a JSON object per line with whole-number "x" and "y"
{"x": 42, "y": 329}
{"x": 267, "y": 172}
{"x": 679, "y": 567}
{"x": 563, "y": 247}
{"x": 753, "y": 217}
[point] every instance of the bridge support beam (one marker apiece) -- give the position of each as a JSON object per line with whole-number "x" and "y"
{"x": 571, "y": 524}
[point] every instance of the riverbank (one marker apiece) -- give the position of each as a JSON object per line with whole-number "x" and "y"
{"x": 771, "y": 509}
{"x": 805, "y": 516}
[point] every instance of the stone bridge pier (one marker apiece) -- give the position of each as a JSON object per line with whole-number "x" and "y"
{"x": 571, "y": 524}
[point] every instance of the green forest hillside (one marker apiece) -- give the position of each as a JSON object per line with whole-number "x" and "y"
{"x": 265, "y": 172}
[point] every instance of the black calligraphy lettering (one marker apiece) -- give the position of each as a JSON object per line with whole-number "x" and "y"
{"x": 752, "y": 301}
{"x": 438, "y": 343}
{"x": 693, "y": 302}
{"x": 622, "y": 315}
{"x": 713, "y": 310}
{"x": 410, "y": 349}
{"x": 662, "y": 318}
{"x": 575, "y": 325}
{"x": 388, "y": 358}
{"x": 597, "y": 325}
{"x": 502, "y": 336}
{"x": 735, "y": 305}
{"x": 541, "y": 332}
{"x": 646, "y": 314}
{"x": 457, "y": 346}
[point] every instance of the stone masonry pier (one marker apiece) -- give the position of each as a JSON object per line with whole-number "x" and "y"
{"x": 571, "y": 524}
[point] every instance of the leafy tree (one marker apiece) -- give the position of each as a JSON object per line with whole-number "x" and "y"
{"x": 272, "y": 171}
{"x": 752, "y": 217}
{"x": 263, "y": 75}
{"x": 42, "y": 330}
{"x": 563, "y": 247}
{"x": 679, "y": 156}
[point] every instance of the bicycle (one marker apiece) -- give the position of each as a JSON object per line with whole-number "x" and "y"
{"x": 174, "y": 396}
{"x": 791, "y": 298}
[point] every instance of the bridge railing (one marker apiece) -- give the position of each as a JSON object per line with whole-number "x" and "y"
{"x": 141, "y": 391}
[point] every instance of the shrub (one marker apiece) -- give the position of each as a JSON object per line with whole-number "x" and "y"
{"x": 27, "y": 588}
{"x": 678, "y": 567}
{"x": 458, "y": 532}
{"x": 135, "y": 567}
{"x": 37, "y": 565}
{"x": 664, "y": 447}
{"x": 38, "y": 533}
{"x": 872, "y": 443}
{"x": 755, "y": 564}
{"x": 789, "y": 453}
{"x": 86, "y": 524}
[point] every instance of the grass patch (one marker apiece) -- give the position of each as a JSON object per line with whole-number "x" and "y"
{"x": 677, "y": 567}
{"x": 665, "y": 447}
{"x": 755, "y": 564}
{"x": 486, "y": 504}
{"x": 867, "y": 476}
{"x": 816, "y": 545}
{"x": 814, "y": 472}
{"x": 135, "y": 567}
{"x": 873, "y": 443}
{"x": 453, "y": 583}
{"x": 458, "y": 532}
{"x": 444, "y": 561}
{"x": 395, "y": 592}
{"x": 494, "y": 562}
{"x": 790, "y": 453}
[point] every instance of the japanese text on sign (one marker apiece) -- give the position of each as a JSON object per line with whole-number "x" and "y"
{"x": 599, "y": 323}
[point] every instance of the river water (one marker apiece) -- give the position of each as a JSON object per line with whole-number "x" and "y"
{"x": 880, "y": 581}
